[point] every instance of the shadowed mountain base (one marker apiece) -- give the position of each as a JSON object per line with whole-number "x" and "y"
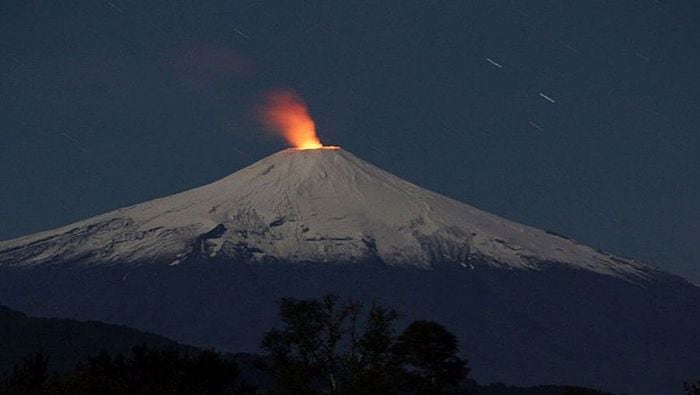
{"x": 556, "y": 326}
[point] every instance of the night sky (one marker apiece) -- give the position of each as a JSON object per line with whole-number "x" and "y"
{"x": 579, "y": 117}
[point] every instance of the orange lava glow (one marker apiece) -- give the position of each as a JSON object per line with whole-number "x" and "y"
{"x": 286, "y": 114}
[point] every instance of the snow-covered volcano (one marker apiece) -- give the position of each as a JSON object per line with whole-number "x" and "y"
{"x": 207, "y": 266}
{"x": 322, "y": 205}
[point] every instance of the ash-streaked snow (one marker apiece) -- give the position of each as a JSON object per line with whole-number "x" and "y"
{"x": 311, "y": 206}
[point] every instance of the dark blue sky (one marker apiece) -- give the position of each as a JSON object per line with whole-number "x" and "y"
{"x": 108, "y": 103}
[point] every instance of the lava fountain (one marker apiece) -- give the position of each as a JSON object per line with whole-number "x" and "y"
{"x": 285, "y": 113}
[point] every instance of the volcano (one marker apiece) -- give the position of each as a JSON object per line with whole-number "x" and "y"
{"x": 319, "y": 205}
{"x": 205, "y": 266}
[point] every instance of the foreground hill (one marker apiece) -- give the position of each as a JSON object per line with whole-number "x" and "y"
{"x": 66, "y": 341}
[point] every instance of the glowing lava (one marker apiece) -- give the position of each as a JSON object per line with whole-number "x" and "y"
{"x": 286, "y": 114}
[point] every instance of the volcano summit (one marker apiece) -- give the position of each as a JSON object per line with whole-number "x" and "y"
{"x": 205, "y": 266}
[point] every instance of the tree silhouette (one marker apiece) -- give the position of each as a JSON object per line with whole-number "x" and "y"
{"x": 428, "y": 353}
{"x": 335, "y": 347}
{"x": 29, "y": 377}
{"x": 692, "y": 388}
{"x": 372, "y": 369}
{"x": 307, "y": 347}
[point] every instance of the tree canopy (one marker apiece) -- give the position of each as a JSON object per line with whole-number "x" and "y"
{"x": 338, "y": 347}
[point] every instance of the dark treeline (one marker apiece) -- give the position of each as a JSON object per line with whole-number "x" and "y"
{"x": 331, "y": 346}
{"x": 144, "y": 370}
{"x": 326, "y": 346}
{"x": 66, "y": 341}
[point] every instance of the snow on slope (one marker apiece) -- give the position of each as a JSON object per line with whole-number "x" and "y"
{"x": 311, "y": 205}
